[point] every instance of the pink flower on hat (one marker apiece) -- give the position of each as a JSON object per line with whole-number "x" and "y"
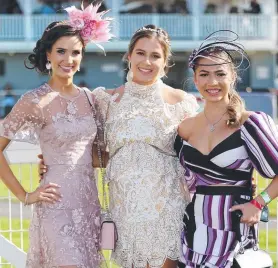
{"x": 78, "y": 24}
{"x": 93, "y": 28}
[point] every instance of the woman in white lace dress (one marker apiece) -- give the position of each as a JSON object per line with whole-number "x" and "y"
{"x": 146, "y": 196}
{"x": 65, "y": 228}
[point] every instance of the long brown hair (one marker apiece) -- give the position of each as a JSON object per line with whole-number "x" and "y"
{"x": 150, "y": 31}
{"x": 54, "y": 31}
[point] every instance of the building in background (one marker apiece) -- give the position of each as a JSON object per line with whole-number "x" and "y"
{"x": 187, "y": 21}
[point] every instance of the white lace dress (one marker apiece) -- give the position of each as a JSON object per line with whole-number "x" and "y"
{"x": 65, "y": 233}
{"x": 146, "y": 197}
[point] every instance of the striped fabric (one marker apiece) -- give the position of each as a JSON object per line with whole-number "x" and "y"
{"x": 209, "y": 237}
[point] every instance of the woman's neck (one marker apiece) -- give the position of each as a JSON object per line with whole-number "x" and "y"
{"x": 214, "y": 110}
{"x": 63, "y": 86}
{"x": 148, "y": 83}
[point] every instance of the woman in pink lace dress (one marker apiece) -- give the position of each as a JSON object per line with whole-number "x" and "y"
{"x": 64, "y": 231}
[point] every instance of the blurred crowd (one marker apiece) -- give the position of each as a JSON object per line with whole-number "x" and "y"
{"x": 185, "y": 6}
{"x": 44, "y": 6}
{"x": 7, "y": 100}
{"x": 154, "y": 6}
{"x": 138, "y": 6}
{"x": 232, "y": 6}
{"x": 57, "y": 6}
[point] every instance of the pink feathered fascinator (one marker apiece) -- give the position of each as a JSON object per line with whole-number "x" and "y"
{"x": 91, "y": 24}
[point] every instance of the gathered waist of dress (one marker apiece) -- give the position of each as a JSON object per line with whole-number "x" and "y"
{"x": 67, "y": 161}
{"x": 223, "y": 190}
{"x": 68, "y": 164}
{"x": 144, "y": 148}
{"x": 67, "y": 155}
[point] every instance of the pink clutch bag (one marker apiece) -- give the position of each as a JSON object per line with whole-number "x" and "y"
{"x": 108, "y": 235}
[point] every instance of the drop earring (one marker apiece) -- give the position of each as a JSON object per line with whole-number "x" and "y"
{"x": 48, "y": 65}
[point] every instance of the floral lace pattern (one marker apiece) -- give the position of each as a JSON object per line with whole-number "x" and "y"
{"x": 67, "y": 232}
{"x": 146, "y": 197}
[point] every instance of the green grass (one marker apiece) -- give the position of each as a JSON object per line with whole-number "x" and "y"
{"x": 271, "y": 246}
{"x": 262, "y": 184}
{"x": 30, "y": 181}
{"x": 16, "y": 238}
{"x": 26, "y": 172}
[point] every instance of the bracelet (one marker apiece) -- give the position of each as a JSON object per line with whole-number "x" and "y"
{"x": 265, "y": 196}
{"x": 256, "y": 204}
{"x": 26, "y": 199}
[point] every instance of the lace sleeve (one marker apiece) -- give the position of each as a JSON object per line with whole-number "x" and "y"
{"x": 25, "y": 120}
{"x": 98, "y": 113}
{"x": 102, "y": 100}
{"x": 100, "y": 121}
{"x": 188, "y": 107}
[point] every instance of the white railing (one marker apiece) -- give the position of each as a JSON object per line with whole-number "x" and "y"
{"x": 248, "y": 27}
{"x": 13, "y": 215}
{"x": 180, "y": 27}
{"x": 12, "y": 27}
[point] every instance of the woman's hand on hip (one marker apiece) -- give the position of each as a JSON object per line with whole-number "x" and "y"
{"x": 42, "y": 168}
{"x": 48, "y": 193}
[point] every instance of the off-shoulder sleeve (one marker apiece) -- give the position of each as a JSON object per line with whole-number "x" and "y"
{"x": 261, "y": 138}
{"x": 25, "y": 120}
{"x": 188, "y": 107}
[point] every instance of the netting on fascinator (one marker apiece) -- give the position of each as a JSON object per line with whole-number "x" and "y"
{"x": 225, "y": 41}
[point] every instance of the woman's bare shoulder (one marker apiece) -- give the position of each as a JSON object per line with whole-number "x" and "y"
{"x": 186, "y": 126}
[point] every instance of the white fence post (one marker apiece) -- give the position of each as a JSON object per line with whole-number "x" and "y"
{"x": 12, "y": 253}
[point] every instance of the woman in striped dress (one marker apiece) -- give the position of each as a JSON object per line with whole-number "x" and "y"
{"x": 219, "y": 149}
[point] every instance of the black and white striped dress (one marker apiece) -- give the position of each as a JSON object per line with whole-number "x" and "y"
{"x": 210, "y": 237}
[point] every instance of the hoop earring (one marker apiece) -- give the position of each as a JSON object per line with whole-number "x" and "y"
{"x": 129, "y": 76}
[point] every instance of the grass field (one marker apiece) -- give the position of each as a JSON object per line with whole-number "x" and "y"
{"x": 30, "y": 181}
{"x": 16, "y": 238}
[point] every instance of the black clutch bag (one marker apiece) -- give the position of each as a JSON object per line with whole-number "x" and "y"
{"x": 264, "y": 214}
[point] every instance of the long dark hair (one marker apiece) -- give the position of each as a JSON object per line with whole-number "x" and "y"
{"x": 38, "y": 59}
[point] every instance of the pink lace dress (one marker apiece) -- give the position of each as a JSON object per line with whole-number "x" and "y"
{"x": 65, "y": 233}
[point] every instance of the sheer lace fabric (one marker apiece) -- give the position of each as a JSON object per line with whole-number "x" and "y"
{"x": 146, "y": 197}
{"x": 65, "y": 233}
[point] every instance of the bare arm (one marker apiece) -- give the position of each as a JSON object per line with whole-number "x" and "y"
{"x": 185, "y": 128}
{"x": 7, "y": 175}
{"x": 47, "y": 193}
{"x": 252, "y": 214}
